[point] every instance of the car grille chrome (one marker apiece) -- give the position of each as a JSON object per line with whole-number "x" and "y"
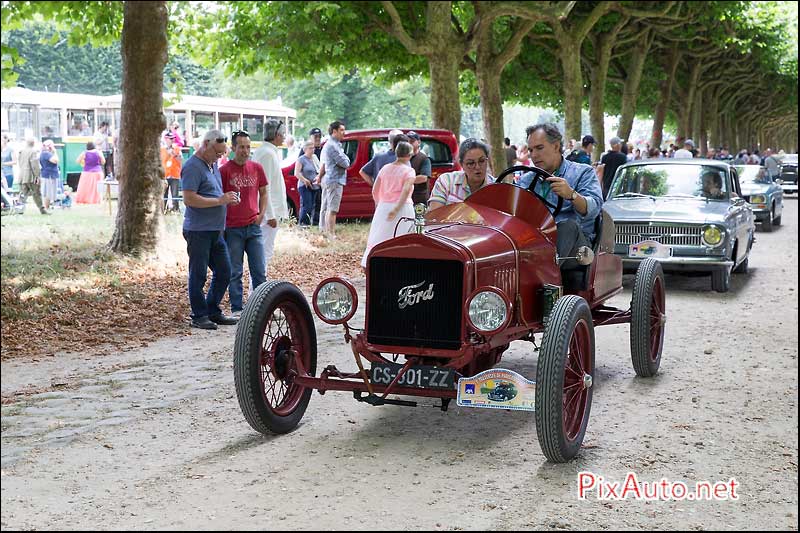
{"x": 628, "y": 233}
{"x": 415, "y": 302}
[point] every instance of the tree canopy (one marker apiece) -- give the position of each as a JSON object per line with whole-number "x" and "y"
{"x": 724, "y": 72}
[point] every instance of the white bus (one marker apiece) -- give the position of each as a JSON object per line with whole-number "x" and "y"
{"x": 66, "y": 115}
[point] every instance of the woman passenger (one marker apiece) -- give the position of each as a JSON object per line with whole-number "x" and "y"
{"x": 455, "y": 187}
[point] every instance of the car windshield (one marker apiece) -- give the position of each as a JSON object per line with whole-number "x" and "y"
{"x": 669, "y": 181}
{"x": 752, "y": 174}
{"x": 789, "y": 159}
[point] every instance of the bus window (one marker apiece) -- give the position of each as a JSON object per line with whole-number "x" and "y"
{"x": 254, "y": 125}
{"x": 228, "y": 123}
{"x": 202, "y": 123}
{"x": 49, "y": 123}
{"x": 176, "y": 116}
{"x": 105, "y": 115}
{"x": 81, "y": 122}
{"x": 18, "y": 120}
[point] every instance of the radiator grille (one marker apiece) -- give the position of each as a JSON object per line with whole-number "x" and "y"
{"x": 665, "y": 234}
{"x": 432, "y": 302}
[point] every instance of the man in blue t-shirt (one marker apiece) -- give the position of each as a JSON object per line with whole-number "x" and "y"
{"x": 203, "y": 228}
{"x": 370, "y": 171}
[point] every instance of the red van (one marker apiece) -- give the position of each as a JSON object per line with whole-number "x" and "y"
{"x": 360, "y": 145}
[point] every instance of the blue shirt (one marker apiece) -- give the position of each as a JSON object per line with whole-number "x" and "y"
{"x": 49, "y": 170}
{"x": 198, "y": 177}
{"x": 335, "y": 161}
{"x": 581, "y": 178}
{"x": 377, "y": 162}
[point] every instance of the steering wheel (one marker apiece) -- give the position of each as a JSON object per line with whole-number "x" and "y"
{"x": 538, "y": 175}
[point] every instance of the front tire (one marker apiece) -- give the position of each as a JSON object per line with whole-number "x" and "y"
{"x": 766, "y": 225}
{"x": 721, "y": 279}
{"x": 648, "y": 308}
{"x": 276, "y": 324}
{"x": 564, "y": 375}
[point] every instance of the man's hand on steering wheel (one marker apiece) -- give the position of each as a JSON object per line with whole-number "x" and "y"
{"x": 560, "y": 187}
{"x": 538, "y": 175}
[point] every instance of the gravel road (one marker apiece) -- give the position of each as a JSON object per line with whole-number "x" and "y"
{"x": 153, "y": 438}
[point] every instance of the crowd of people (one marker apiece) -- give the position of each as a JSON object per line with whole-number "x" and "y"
{"x": 236, "y": 203}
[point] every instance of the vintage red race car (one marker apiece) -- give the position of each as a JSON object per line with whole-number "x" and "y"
{"x": 442, "y": 305}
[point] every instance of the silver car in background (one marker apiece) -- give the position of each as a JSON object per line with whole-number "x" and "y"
{"x": 765, "y": 196}
{"x": 687, "y": 213}
{"x": 789, "y": 173}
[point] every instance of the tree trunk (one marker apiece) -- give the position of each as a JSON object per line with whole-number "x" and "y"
{"x": 663, "y": 102}
{"x": 492, "y": 109}
{"x": 144, "y": 55}
{"x": 570, "y": 57}
{"x": 688, "y": 104}
{"x": 630, "y": 90}
{"x": 703, "y": 130}
{"x": 445, "y": 104}
{"x": 713, "y": 116}
{"x": 597, "y": 90}
{"x": 697, "y": 114}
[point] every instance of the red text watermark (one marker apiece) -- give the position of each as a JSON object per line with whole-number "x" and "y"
{"x": 591, "y": 485}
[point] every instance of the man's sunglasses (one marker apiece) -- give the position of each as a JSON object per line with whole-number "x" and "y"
{"x": 222, "y": 139}
{"x": 239, "y": 133}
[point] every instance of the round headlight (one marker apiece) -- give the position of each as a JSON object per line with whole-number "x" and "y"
{"x": 758, "y": 199}
{"x": 335, "y": 301}
{"x": 712, "y": 235}
{"x": 488, "y": 310}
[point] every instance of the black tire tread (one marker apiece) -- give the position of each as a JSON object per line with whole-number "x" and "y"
{"x": 721, "y": 280}
{"x": 245, "y": 358}
{"x": 641, "y": 300}
{"x": 766, "y": 225}
{"x": 550, "y": 377}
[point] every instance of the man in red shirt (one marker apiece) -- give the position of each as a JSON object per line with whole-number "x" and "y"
{"x": 243, "y": 220}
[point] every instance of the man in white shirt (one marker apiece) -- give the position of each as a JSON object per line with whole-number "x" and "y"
{"x": 269, "y": 157}
{"x": 686, "y": 151}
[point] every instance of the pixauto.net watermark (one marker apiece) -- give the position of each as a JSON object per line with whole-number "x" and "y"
{"x": 591, "y": 485}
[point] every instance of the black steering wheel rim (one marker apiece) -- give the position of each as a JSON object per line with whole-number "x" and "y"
{"x": 539, "y": 174}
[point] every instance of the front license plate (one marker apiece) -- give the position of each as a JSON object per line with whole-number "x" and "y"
{"x": 650, "y": 249}
{"x": 420, "y": 377}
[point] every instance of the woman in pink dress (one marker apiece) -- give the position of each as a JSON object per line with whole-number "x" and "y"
{"x": 92, "y": 161}
{"x": 392, "y": 195}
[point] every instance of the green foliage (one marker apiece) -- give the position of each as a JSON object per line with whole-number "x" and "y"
{"x": 353, "y": 97}
{"x": 295, "y": 39}
{"x": 51, "y": 63}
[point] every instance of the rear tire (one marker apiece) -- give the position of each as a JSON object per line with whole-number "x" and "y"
{"x": 275, "y": 324}
{"x": 564, "y": 376}
{"x": 648, "y": 306}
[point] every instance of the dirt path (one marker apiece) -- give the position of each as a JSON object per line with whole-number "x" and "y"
{"x": 153, "y": 438}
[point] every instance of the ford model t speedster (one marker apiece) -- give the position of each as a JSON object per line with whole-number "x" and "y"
{"x": 442, "y": 305}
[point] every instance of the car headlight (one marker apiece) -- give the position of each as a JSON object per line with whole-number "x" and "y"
{"x": 758, "y": 199}
{"x": 712, "y": 235}
{"x": 488, "y": 310}
{"x": 335, "y": 301}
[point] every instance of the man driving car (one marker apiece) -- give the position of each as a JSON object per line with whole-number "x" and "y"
{"x": 575, "y": 182}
